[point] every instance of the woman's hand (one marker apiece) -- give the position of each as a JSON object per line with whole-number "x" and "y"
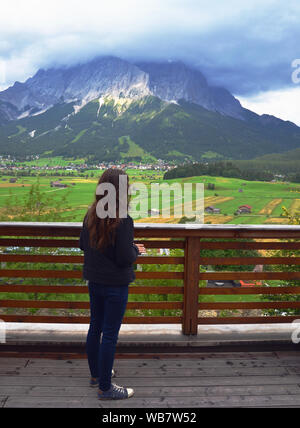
{"x": 142, "y": 249}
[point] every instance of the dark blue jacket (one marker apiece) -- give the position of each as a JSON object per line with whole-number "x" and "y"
{"x": 114, "y": 264}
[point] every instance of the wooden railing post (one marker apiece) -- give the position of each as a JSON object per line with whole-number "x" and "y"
{"x": 191, "y": 285}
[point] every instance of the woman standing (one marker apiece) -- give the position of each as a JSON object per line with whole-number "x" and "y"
{"x": 109, "y": 254}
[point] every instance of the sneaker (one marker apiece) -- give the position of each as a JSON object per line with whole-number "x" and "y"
{"x": 115, "y": 392}
{"x": 95, "y": 381}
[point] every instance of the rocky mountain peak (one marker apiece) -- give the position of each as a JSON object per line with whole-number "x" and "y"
{"x": 115, "y": 77}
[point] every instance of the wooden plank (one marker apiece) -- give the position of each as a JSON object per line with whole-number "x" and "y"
{"x": 161, "y": 363}
{"x": 11, "y": 362}
{"x": 46, "y": 319}
{"x": 51, "y": 304}
{"x": 27, "y": 242}
{"x": 134, "y": 381}
{"x": 51, "y": 258}
{"x": 248, "y": 305}
{"x": 248, "y": 290}
{"x": 161, "y": 244}
{"x": 190, "y": 295}
{"x": 152, "y": 392}
{"x": 121, "y": 365}
{"x": 77, "y": 355}
{"x": 131, "y": 372}
{"x": 134, "y": 359}
{"x": 250, "y": 245}
{"x": 157, "y": 403}
{"x": 250, "y": 260}
{"x": 83, "y": 289}
{"x": 284, "y": 355}
{"x": 294, "y": 370}
{"x": 240, "y": 232}
{"x": 74, "y": 243}
{"x": 56, "y": 289}
{"x": 47, "y": 273}
{"x": 39, "y": 229}
{"x": 156, "y": 230}
{"x": 40, "y": 258}
{"x": 161, "y": 260}
{"x": 247, "y": 320}
{"x": 249, "y": 275}
{"x": 159, "y": 275}
{"x": 155, "y": 305}
{"x": 167, "y": 289}
{"x": 85, "y": 320}
{"x": 201, "y": 355}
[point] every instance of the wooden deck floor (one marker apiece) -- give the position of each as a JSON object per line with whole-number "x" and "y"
{"x": 269, "y": 379}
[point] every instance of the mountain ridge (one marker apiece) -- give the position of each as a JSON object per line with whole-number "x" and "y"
{"x": 113, "y": 76}
{"x": 108, "y": 106}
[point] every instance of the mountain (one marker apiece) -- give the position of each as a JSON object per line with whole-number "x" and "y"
{"x": 175, "y": 81}
{"x": 81, "y": 83}
{"x": 111, "y": 109}
{"x": 117, "y": 78}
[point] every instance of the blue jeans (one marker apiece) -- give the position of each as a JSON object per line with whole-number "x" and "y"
{"x": 107, "y": 306}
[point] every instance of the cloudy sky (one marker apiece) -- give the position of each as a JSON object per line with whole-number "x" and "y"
{"x": 246, "y": 46}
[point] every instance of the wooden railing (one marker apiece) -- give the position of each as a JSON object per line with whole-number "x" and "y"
{"x": 39, "y": 245}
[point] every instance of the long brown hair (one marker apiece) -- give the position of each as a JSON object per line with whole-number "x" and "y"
{"x": 102, "y": 231}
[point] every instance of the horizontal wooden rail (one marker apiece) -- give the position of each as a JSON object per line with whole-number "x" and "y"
{"x": 248, "y": 290}
{"x": 248, "y": 305}
{"x": 48, "y": 253}
{"x": 249, "y": 260}
{"x": 83, "y": 289}
{"x": 43, "y": 243}
{"x": 49, "y": 258}
{"x": 261, "y": 245}
{"x": 47, "y": 273}
{"x": 249, "y": 275}
{"x": 247, "y": 320}
{"x": 58, "y": 304}
{"x": 69, "y": 319}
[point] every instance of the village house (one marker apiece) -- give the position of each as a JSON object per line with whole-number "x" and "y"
{"x": 244, "y": 209}
{"x": 212, "y": 210}
{"x": 57, "y": 184}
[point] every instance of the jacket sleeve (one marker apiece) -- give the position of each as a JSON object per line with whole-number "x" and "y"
{"x": 125, "y": 250}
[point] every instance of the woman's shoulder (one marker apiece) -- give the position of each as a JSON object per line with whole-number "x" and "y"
{"x": 126, "y": 220}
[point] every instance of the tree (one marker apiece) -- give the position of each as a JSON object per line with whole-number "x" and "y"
{"x": 36, "y": 205}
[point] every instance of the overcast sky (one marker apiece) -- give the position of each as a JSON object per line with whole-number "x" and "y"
{"x": 246, "y": 46}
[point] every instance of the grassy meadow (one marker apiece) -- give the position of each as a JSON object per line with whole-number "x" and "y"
{"x": 265, "y": 198}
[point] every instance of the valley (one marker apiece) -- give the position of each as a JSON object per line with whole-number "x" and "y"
{"x": 265, "y": 199}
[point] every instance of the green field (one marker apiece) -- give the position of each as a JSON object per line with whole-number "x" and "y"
{"x": 265, "y": 198}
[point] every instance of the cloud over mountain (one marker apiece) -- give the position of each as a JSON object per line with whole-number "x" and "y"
{"x": 246, "y": 47}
